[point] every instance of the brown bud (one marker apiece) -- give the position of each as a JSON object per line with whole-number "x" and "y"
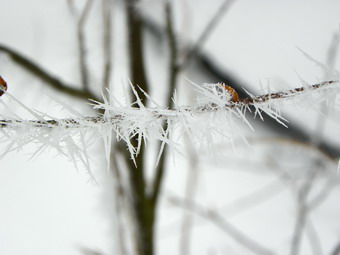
{"x": 232, "y": 92}
{"x": 3, "y": 86}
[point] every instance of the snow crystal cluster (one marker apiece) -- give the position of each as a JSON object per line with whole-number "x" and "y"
{"x": 216, "y": 115}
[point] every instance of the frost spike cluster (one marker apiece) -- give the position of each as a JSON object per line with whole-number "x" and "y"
{"x": 214, "y": 115}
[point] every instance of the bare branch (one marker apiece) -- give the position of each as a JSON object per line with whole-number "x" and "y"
{"x": 84, "y": 71}
{"x": 336, "y": 250}
{"x": 302, "y": 212}
{"x": 173, "y": 74}
{"x": 222, "y": 224}
{"x": 135, "y": 47}
{"x": 48, "y": 79}
{"x": 190, "y": 192}
{"x": 107, "y": 41}
{"x": 172, "y": 44}
{"x": 212, "y": 24}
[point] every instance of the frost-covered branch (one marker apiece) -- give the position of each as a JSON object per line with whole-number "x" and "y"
{"x": 218, "y": 113}
{"x": 118, "y": 116}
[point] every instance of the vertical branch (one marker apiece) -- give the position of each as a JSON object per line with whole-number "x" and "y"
{"x": 173, "y": 61}
{"x": 333, "y": 49}
{"x": 135, "y": 48}
{"x": 120, "y": 201}
{"x": 303, "y": 211}
{"x": 84, "y": 72}
{"x": 173, "y": 74}
{"x": 190, "y": 191}
{"x": 142, "y": 210}
{"x": 107, "y": 42}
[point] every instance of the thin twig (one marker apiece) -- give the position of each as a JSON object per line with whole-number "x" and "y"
{"x": 120, "y": 202}
{"x": 304, "y": 209}
{"x": 172, "y": 44}
{"x": 127, "y": 114}
{"x": 212, "y": 24}
{"x": 302, "y": 212}
{"x": 321, "y": 122}
{"x": 173, "y": 74}
{"x": 84, "y": 71}
{"x": 314, "y": 238}
{"x": 190, "y": 192}
{"x": 222, "y": 224}
{"x": 107, "y": 42}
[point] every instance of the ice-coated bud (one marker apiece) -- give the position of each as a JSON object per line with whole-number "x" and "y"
{"x": 232, "y": 92}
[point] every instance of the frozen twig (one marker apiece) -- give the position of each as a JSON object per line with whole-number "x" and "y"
{"x": 120, "y": 115}
{"x": 214, "y": 113}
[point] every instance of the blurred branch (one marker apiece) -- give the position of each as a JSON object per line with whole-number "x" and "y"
{"x": 190, "y": 192}
{"x": 84, "y": 71}
{"x": 70, "y": 4}
{"x": 173, "y": 74}
{"x": 172, "y": 44}
{"x": 336, "y": 250}
{"x": 314, "y": 238}
{"x": 329, "y": 71}
{"x": 222, "y": 224}
{"x": 208, "y": 30}
{"x": 121, "y": 201}
{"x": 48, "y": 79}
{"x": 302, "y": 211}
{"x": 207, "y": 67}
{"x": 332, "y": 52}
{"x": 135, "y": 48}
{"x": 107, "y": 41}
{"x": 304, "y": 207}
{"x": 142, "y": 207}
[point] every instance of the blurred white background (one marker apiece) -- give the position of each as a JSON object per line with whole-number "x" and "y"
{"x": 47, "y": 206}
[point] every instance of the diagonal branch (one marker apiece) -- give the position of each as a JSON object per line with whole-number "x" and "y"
{"x": 206, "y": 66}
{"x": 215, "y": 218}
{"x": 48, "y": 79}
{"x": 208, "y": 30}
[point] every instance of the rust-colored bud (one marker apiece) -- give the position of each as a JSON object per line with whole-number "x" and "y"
{"x": 3, "y": 86}
{"x": 232, "y": 92}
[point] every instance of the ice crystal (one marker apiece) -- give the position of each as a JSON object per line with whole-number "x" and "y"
{"x": 215, "y": 115}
